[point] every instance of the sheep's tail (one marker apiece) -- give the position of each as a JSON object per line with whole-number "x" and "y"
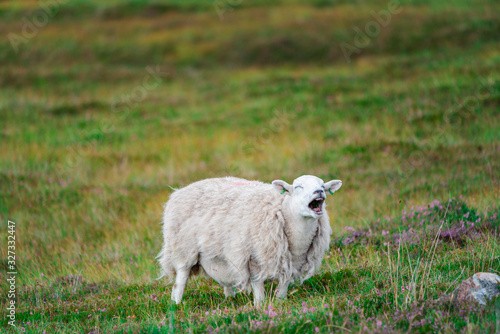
{"x": 164, "y": 257}
{"x": 164, "y": 262}
{"x": 158, "y": 258}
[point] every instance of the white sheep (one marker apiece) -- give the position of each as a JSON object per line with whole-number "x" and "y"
{"x": 241, "y": 233}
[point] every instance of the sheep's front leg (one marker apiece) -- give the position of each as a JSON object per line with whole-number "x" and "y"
{"x": 259, "y": 294}
{"x": 282, "y": 290}
{"x": 180, "y": 284}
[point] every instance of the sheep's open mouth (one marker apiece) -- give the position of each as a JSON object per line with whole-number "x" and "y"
{"x": 317, "y": 205}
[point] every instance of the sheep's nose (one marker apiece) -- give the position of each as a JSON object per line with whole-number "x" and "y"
{"x": 319, "y": 191}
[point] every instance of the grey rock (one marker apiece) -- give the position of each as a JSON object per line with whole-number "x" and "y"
{"x": 480, "y": 288}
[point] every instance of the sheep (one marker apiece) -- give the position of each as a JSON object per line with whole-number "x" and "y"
{"x": 242, "y": 233}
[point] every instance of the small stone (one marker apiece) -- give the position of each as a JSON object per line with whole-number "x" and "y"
{"x": 480, "y": 288}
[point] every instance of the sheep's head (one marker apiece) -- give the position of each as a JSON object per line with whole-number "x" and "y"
{"x": 308, "y": 194}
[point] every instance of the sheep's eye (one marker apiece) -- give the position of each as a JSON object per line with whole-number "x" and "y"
{"x": 298, "y": 187}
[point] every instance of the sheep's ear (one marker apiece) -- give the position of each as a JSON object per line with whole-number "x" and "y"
{"x": 332, "y": 186}
{"x": 282, "y": 186}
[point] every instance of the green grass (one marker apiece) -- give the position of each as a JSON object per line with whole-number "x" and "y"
{"x": 90, "y": 141}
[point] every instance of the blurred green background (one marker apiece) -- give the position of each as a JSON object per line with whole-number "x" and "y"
{"x": 105, "y": 103}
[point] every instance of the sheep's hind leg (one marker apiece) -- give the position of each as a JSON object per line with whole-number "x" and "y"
{"x": 259, "y": 293}
{"x": 282, "y": 290}
{"x": 180, "y": 284}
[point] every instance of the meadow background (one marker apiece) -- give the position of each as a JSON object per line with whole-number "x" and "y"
{"x": 108, "y": 102}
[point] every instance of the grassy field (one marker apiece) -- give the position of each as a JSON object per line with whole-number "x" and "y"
{"x": 108, "y": 103}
